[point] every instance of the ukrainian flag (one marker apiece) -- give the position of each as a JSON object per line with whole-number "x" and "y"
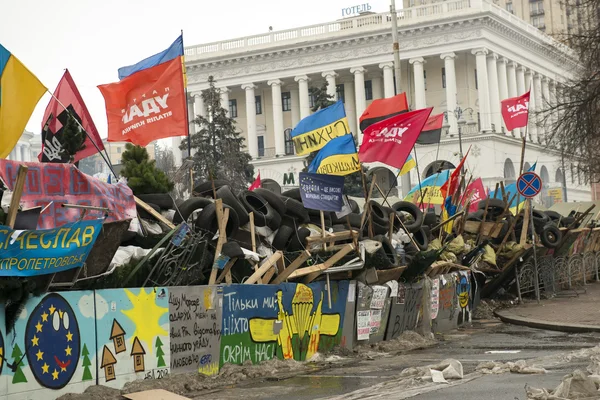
{"x": 409, "y": 164}
{"x": 315, "y": 131}
{"x": 433, "y": 184}
{"x": 337, "y": 157}
{"x": 20, "y": 91}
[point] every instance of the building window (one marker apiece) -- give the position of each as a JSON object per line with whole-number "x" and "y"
{"x": 411, "y": 3}
{"x": 339, "y": 89}
{"x": 443, "y": 78}
{"x": 509, "y": 8}
{"x": 476, "y": 85}
{"x": 369, "y": 90}
{"x": 425, "y": 79}
{"x": 286, "y": 101}
{"x": 258, "y": 101}
{"x": 536, "y": 8}
{"x": 118, "y": 150}
{"x": 233, "y": 108}
{"x": 261, "y": 146}
{"x": 572, "y": 175}
{"x": 538, "y": 22}
{"x": 311, "y": 100}
{"x": 478, "y": 122}
{"x": 289, "y": 143}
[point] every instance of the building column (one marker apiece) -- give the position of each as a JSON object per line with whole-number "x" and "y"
{"x": 277, "y": 117}
{"x": 546, "y": 103}
{"x": 350, "y": 108}
{"x": 295, "y": 94}
{"x": 225, "y": 99}
{"x": 511, "y": 70}
{"x": 531, "y": 126}
{"x": 418, "y": 72}
{"x": 496, "y": 117}
{"x": 450, "y": 92}
{"x": 199, "y": 107}
{"x": 330, "y": 77}
{"x": 521, "y": 89}
{"x": 537, "y": 117}
{"x": 502, "y": 89}
{"x": 359, "y": 91}
{"x": 377, "y": 86}
{"x": 252, "y": 139}
{"x": 483, "y": 88}
{"x": 303, "y": 88}
{"x": 388, "y": 79}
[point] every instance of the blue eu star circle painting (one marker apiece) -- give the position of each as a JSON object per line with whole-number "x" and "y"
{"x": 529, "y": 184}
{"x": 52, "y": 342}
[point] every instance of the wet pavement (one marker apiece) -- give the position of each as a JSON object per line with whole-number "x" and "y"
{"x": 378, "y": 378}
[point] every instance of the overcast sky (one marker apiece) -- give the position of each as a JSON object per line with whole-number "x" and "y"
{"x": 94, "y": 38}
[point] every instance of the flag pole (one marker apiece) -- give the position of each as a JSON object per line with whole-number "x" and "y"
{"x": 187, "y": 116}
{"x": 418, "y": 176}
{"x": 86, "y": 133}
{"x": 524, "y": 141}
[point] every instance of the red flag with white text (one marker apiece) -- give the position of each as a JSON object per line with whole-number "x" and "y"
{"x": 256, "y": 183}
{"x": 515, "y": 111}
{"x": 147, "y": 105}
{"x": 391, "y": 140}
{"x": 476, "y": 193}
{"x": 55, "y": 117}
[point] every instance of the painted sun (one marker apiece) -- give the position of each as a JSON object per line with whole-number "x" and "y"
{"x": 145, "y": 315}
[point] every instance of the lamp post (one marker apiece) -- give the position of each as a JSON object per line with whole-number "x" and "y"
{"x": 458, "y": 113}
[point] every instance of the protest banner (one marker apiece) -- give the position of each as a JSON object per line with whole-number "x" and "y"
{"x": 322, "y": 192}
{"x": 64, "y": 184}
{"x": 41, "y": 252}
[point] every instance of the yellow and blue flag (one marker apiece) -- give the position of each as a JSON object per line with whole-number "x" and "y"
{"x": 315, "y": 131}
{"x": 337, "y": 157}
{"x": 433, "y": 184}
{"x": 20, "y": 92}
{"x": 409, "y": 164}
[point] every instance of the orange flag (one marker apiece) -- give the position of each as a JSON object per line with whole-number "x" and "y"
{"x": 147, "y": 105}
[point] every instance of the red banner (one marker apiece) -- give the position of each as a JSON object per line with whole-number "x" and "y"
{"x": 64, "y": 184}
{"x": 391, "y": 140}
{"x": 56, "y": 116}
{"x": 476, "y": 193}
{"x": 147, "y": 106}
{"x": 515, "y": 111}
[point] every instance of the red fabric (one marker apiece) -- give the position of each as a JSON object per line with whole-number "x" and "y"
{"x": 68, "y": 94}
{"x": 476, "y": 192}
{"x": 450, "y": 186}
{"x": 515, "y": 111}
{"x": 391, "y": 140}
{"x": 256, "y": 183}
{"x": 147, "y": 106}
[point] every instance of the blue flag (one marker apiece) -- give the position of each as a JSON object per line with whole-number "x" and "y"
{"x": 338, "y": 157}
{"x": 174, "y": 51}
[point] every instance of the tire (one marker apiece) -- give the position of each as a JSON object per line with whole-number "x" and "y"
{"x": 354, "y": 206}
{"x": 145, "y": 214}
{"x": 492, "y": 203}
{"x": 207, "y": 220}
{"x": 264, "y": 214}
{"x": 232, "y": 250}
{"x": 355, "y": 220}
{"x": 283, "y": 235}
{"x": 273, "y": 199}
{"x": 225, "y": 194}
{"x": 379, "y": 213}
{"x": 205, "y": 189}
{"x": 293, "y": 193}
{"x": 298, "y": 240}
{"x": 388, "y": 251}
{"x": 422, "y": 239}
{"x": 316, "y": 220}
{"x": 567, "y": 221}
{"x": 430, "y": 219}
{"x": 163, "y": 200}
{"x": 476, "y": 216}
{"x": 295, "y": 209}
{"x": 551, "y": 236}
{"x": 378, "y": 229}
{"x": 414, "y": 211}
{"x": 188, "y": 207}
{"x": 553, "y": 215}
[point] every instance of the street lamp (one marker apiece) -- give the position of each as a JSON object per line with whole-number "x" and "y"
{"x": 458, "y": 113}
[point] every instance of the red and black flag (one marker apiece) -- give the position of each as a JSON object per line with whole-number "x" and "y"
{"x": 56, "y": 117}
{"x": 432, "y": 131}
{"x": 381, "y": 109}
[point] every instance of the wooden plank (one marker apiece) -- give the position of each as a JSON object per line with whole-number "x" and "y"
{"x": 154, "y": 213}
{"x": 301, "y": 259}
{"x": 226, "y": 269}
{"x": 16, "y": 196}
{"x": 269, "y": 262}
{"x": 526, "y": 222}
{"x": 222, "y": 218}
{"x": 268, "y": 275}
{"x": 253, "y": 238}
{"x": 310, "y": 276}
{"x": 334, "y": 237}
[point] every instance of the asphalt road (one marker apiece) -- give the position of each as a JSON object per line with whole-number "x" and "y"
{"x": 379, "y": 378}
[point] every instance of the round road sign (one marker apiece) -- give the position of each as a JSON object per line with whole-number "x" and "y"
{"x": 529, "y": 184}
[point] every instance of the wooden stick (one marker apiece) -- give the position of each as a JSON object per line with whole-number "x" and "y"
{"x": 452, "y": 218}
{"x": 253, "y": 238}
{"x": 391, "y": 228}
{"x": 154, "y": 213}
{"x": 485, "y": 211}
{"x": 222, "y": 218}
{"x": 16, "y": 196}
{"x": 401, "y": 223}
{"x": 315, "y": 270}
{"x": 335, "y": 237}
{"x": 503, "y": 190}
{"x": 322, "y": 214}
{"x": 268, "y": 263}
{"x": 226, "y": 269}
{"x": 328, "y": 291}
{"x": 526, "y": 222}
{"x": 268, "y": 275}
{"x": 367, "y": 208}
{"x": 301, "y": 259}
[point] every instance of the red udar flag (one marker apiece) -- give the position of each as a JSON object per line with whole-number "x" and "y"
{"x": 55, "y": 117}
{"x": 515, "y": 111}
{"x": 476, "y": 193}
{"x": 391, "y": 140}
{"x": 147, "y": 105}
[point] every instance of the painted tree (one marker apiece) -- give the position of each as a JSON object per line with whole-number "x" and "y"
{"x": 87, "y": 373}
{"x": 142, "y": 174}
{"x": 18, "y": 362}
{"x": 159, "y": 353}
{"x": 218, "y": 144}
{"x": 73, "y": 139}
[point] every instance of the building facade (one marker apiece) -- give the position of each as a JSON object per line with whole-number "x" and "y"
{"x": 460, "y": 57}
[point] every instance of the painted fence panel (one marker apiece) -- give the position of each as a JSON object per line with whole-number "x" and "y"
{"x": 348, "y": 330}
{"x": 326, "y": 330}
{"x": 51, "y": 347}
{"x": 133, "y": 335}
{"x": 405, "y": 312}
{"x": 195, "y": 315}
{"x": 448, "y": 308}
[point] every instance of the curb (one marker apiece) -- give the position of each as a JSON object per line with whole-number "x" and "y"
{"x": 541, "y": 324}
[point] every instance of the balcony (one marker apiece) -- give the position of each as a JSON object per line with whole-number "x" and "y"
{"x": 534, "y": 13}
{"x": 270, "y": 152}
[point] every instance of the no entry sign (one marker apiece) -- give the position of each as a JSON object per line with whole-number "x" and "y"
{"x": 529, "y": 185}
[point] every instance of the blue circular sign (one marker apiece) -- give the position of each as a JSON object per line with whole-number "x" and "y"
{"x": 529, "y": 184}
